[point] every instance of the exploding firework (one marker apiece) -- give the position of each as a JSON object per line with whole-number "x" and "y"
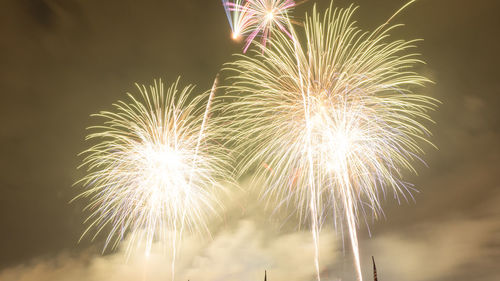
{"x": 156, "y": 167}
{"x": 331, "y": 123}
{"x": 252, "y": 18}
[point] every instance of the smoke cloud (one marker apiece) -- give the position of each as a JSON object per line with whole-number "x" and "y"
{"x": 241, "y": 253}
{"x": 441, "y": 251}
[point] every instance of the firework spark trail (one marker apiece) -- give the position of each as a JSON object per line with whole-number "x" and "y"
{"x": 156, "y": 168}
{"x": 203, "y": 125}
{"x": 313, "y": 201}
{"x": 195, "y": 158}
{"x": 250, "y": 18}
{"x": 336, "y": 121}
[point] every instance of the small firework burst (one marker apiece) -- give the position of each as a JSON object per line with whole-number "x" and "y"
{"x": 253, "y": 18}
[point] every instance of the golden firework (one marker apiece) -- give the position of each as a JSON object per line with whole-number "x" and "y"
{"x": 332, "y": 120}
{"x": 155, "y": 168}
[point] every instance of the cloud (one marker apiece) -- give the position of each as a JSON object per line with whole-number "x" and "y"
{"x": 436, "y": 251}
{"x": 241, "y": 253}
{"x": 440, "y": 250}
{"x": 246, "y": 243}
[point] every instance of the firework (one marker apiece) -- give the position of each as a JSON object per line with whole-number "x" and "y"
{"x": 156, "y": 167}
{"x": 334, "y": 121}
{"x": 238, "y": 15}
{"x": 251, "y": 18}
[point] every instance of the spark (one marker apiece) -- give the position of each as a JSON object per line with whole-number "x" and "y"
{"x": 252, "y": 18}
{"x": 334, "y": 119}
{"x": 155, "y": 169}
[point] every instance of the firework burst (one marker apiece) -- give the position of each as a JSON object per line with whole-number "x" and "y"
{"x": 156, "y": 167}
{"x": 334, "y": 120}
{"x": 251, "y": 18}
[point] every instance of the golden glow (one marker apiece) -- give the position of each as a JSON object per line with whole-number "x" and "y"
{"x": 270, "y": 15}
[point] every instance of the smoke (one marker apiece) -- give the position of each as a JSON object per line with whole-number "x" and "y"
{"x": 249, "y": 241}
{"x": 441, "y": 251}
{"x": 240, "y": 253}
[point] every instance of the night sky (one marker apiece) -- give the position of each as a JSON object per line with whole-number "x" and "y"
{"x": 62, "y": 60}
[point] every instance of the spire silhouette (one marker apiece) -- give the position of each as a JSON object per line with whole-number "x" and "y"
{"x": 374, "y": 270}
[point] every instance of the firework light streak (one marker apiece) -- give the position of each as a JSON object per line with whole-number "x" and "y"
{"x": 251, "y": 18}
{"x": 334, "y": 121}
{"x": 156, "y": 168}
